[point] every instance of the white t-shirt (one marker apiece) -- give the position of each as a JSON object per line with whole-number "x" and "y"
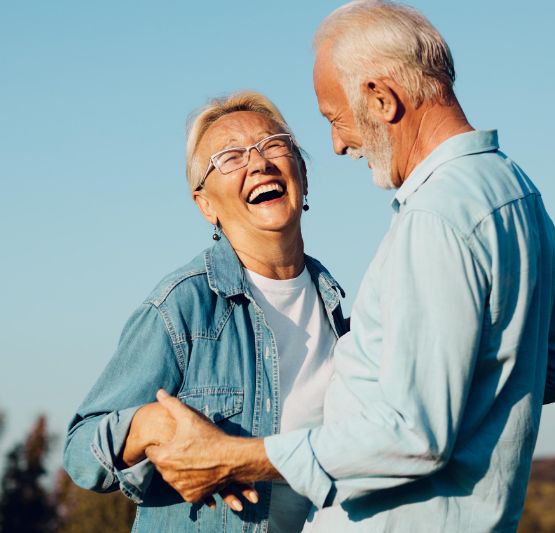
{"x": 305, "y": 342}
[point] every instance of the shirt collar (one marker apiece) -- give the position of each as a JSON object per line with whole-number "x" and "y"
{"x": 472, "y": 142}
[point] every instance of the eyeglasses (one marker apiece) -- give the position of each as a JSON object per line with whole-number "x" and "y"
{"x": 233, "y": 159}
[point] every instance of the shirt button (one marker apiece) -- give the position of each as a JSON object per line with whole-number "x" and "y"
{"x": 268, "y": 405}
{"x": 267, "y": 352}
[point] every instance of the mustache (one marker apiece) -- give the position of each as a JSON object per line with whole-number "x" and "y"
{"x": 355, "y": 153}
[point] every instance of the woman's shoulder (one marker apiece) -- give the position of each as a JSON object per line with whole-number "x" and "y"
{"x": 321, "y": 275}
{"x": 189, "y": 277}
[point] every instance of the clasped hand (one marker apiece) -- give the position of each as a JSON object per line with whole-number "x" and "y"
{"x": 195, "y": 462}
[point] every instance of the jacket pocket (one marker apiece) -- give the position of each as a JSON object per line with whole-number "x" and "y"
{"x": 216, "y": 403}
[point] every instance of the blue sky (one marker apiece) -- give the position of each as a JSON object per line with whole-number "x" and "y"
{"x": 94, "y": 207}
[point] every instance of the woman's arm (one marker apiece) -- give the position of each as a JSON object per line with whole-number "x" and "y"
{"x": 144, "y": 361}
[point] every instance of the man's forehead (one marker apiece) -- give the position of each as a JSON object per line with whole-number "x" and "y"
{"x": 326, "y": 82}
{"x": 323, "y": 62}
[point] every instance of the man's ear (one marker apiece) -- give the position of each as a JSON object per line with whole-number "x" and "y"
{"x": 382, "y": 99}
{"x": 205, "y": 206}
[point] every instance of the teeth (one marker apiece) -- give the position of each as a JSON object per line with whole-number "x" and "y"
{"x": 264, "y": 188}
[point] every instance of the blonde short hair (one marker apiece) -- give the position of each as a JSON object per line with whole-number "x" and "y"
{"x": 200, "y": 121}
{"x": 382, "y": 38}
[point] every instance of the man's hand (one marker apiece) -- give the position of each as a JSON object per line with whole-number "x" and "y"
{"x": 201, "y": 459}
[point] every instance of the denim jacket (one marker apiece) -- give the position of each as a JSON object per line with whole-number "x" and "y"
{"x": 201, "y": 336}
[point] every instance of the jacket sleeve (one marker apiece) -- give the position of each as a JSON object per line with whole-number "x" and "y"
{"x": 143, "y": 363}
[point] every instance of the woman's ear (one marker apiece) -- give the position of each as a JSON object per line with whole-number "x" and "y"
{"x": 304, "y": 177}
{"x": 205, "y": 206}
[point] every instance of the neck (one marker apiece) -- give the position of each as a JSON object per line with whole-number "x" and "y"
{"x": 429, "y": 126}
{"x": 271, "y": 254}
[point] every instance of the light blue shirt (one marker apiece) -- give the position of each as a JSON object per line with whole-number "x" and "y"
{"x": 433, "y": 412}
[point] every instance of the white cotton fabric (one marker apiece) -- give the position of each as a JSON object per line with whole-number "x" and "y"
{"x": 305, "y": 341}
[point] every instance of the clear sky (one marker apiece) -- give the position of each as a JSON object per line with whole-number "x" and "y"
{"x": 94, "y": 207}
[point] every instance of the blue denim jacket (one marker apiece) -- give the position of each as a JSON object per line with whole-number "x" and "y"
{"x": 201, "y": 336}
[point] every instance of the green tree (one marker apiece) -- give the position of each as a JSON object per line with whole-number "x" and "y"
{"x": 24, "y": 504}
{"x": 83, "y": 511}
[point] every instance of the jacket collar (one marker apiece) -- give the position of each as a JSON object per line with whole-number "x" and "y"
{"x": 224, "y": 271}
{"x": 226, "y": 277}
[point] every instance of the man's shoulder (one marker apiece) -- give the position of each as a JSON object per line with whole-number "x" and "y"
{"x": 190, "y": 277}
{"x": 465, "y": 191}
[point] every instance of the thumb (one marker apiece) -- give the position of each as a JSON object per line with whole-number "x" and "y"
{"x": 153, "y": 453}
{"x": 171, "y": 404}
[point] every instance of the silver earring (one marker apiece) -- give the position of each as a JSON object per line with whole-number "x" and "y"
{"x": 216, "y": 235}
{"x": 306, "y": 207}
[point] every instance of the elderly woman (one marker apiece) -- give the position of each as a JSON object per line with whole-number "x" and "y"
{"x": 244, "y": 333}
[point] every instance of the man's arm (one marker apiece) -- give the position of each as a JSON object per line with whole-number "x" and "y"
{"x": 413, "y": 392}
{"x": 432, "y": 316}
{"x": 201, "y": 459}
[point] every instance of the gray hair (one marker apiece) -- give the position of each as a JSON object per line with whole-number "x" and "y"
{"x": 382, "y": 38}
{"x": 200, "y": 121}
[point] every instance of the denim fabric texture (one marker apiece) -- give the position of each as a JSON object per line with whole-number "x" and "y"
{"x": 201, "y": 336}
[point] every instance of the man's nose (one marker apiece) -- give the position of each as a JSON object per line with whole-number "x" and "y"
{"x": 339, "y": 147}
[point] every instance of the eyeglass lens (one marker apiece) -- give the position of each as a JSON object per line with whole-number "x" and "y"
{"x": 236, "y": 158}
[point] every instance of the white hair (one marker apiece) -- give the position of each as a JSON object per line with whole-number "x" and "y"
{"x": 199, "y": 122}
{"x": 384, "y": 39}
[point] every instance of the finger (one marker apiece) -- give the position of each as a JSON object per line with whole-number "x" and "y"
{"x": 153, "y": 453}
{"x": 248, "y": 492}
{"x": 210, "y": 502}
{"x": 230, "y": 499}
{"x": 172, "y": 404}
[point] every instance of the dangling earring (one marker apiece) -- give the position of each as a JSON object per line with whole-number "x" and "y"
{"x": 306, "y": 207}
{"x": 216, "y": 235}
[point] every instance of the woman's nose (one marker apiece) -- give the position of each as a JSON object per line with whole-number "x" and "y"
{"x": 257, "y": 162}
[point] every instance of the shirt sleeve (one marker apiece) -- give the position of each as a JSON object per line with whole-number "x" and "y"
{"x": 549, "y": 395}
{"x": 432, "y": 294}
{"x": 143, "y": 363}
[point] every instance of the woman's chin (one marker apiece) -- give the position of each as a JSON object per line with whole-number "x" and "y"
{"x": 277, "y": 222}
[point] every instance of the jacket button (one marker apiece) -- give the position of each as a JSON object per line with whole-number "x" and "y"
{"x": 268, "y": 405}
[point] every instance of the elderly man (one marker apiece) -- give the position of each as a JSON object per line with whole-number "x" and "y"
{"x": 433, "y": 412}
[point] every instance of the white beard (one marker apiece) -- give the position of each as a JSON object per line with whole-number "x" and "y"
{"x": 376, "y": 148}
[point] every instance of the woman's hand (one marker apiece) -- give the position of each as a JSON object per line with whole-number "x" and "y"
{"x": 152, "y": 425}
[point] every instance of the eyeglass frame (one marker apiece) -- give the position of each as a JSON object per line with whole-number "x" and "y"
{"x": 212, "y": 165}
